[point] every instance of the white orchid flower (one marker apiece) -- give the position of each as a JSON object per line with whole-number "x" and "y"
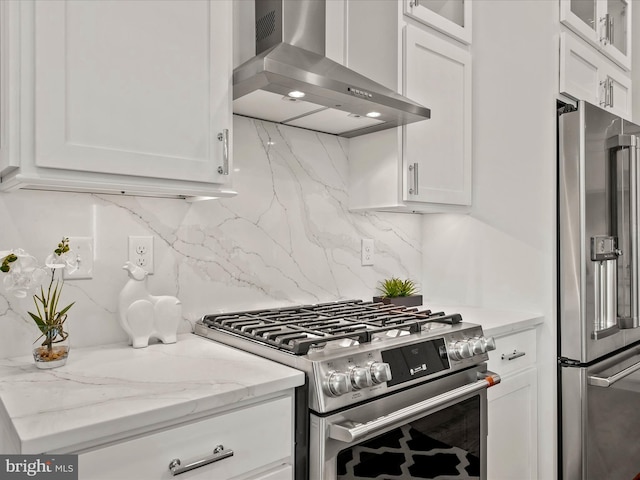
{"x": 25, "y": 274}
{"x": 21, "y": 274}
{"x": 67, "y": 260}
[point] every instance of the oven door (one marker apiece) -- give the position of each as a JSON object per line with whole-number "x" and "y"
{"x": 434, "y": 430}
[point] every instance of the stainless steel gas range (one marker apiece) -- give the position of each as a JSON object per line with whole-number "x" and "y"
{"x": 391, "y": 392}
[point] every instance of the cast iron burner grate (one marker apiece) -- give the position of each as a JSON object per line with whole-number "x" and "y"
{"x": 298, "y": 329}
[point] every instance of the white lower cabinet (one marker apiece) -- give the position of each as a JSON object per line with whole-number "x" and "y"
{"x": 281, "y": 473}
{"x": 587, "y": 75}
{"x": 512, "y": 405}
{"x": 260, "y": 436}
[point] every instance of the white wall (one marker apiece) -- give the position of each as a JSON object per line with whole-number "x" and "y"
{"x": 502, "y": 255}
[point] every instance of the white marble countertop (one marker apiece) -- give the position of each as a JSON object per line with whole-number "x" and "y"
{"x": 494, "y": 322}
{"x": 107, "y": 391}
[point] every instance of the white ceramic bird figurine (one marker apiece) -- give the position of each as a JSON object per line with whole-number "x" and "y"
{"x": 144, "y": 316}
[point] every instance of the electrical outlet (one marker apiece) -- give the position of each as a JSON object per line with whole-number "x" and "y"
{"x": 367, "y": 251}
{"x": 83, "y": 248}
{"x": 141, "y": 252}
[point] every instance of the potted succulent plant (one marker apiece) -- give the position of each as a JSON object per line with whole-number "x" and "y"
{"x": 398, "y": 292}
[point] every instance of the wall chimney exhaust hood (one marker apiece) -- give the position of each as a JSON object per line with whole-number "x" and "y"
{"x": 290, "y": 81}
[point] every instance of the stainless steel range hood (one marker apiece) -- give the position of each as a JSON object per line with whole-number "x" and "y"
{"x": 290, "y": 81}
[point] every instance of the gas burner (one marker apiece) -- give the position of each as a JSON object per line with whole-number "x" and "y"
{"x": 299, "y": 330}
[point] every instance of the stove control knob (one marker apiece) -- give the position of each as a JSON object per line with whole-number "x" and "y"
{"x": 465, "y": 349}
{"x": 489, "y": 343}
{"x": 478, "y": 345}
{"x": 380, "y": 372}
{"x": 337, "y": 384}
{"x": 482, "y": 344}
{"x": 360, "y": 378}
{"x": 460, "y": 350}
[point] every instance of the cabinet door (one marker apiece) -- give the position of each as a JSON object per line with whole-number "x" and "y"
{"x": 513, "y": 422}
{"x": 582, "y": 17}
{"x": 605, "y": 24}
{"x": 134, "y": 88}
{"x": 9, "y": 80}
{"x": 4, "y": 92}
{"x": 282, "y": 473}
{"x": 437, "y": 152}
{"x": 617, "y": 31}
{"x": 617, "y": 86}
{"x": 579, "y": 70}
{"x": 587, "y": 75}
{"x": 451, "y": 17}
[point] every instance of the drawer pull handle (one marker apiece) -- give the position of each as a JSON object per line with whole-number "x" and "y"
{"x": 513, "y": 356}
{"x": 219, "y": 453}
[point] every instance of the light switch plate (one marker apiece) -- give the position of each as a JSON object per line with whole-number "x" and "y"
{"x": 83, "y": 248}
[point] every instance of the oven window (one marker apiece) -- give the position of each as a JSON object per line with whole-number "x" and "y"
{"x": 443, "y": 444}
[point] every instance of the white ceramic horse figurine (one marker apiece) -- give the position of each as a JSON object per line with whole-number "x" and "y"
{"x": 144, "y": 316}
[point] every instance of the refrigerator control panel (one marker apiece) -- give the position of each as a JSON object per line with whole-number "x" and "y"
{"x": 604, "y": 248}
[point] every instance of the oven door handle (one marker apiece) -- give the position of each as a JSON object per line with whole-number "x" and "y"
{"x": 352, "y": 432}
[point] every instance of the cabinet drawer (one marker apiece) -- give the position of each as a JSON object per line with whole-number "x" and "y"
{"x": 515, "y": 351}
{"x": 259, "y": 435}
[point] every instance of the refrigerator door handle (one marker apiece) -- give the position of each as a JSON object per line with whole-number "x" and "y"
{"x": 633, "y": 173}
{"x": 598, "y": 381}
{"x": 618, "y": 144}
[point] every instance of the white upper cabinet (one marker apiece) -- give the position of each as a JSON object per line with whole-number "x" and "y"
{"x": 9, "y": 75}
{"x": 587, "y": 75}
{"x": 437, "y": 152}
{"x": 130, "y": 97}
{"x": 424, "y": 166}
{"x": 605, "y": 24}
{"x": 451, "y": 17}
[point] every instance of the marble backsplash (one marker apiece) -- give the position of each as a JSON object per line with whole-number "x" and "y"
{"x": 286, "y": 238}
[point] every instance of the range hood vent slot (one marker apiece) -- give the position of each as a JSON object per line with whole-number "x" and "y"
{"x": 265, "y": 26}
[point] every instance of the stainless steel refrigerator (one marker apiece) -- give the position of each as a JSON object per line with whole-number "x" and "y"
{"x": 598, "y": 294}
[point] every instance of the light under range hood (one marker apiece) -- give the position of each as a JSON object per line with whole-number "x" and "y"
{"x": 290, "y": 81}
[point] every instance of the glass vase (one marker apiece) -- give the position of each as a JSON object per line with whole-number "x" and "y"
{"x": 51, "y": 356}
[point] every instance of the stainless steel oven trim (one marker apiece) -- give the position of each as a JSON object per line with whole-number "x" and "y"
{"x": 350, "y": 432}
